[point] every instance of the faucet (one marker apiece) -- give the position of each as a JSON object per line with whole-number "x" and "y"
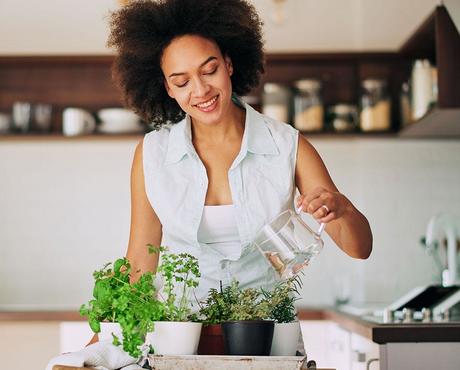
{"x": 449, "y": 225}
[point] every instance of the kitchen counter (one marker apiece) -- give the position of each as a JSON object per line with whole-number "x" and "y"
{"x": 371, "y": 327}
{"x": 367, "y": 326}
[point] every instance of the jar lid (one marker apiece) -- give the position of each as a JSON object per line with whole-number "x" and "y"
{"x": 273, "y": 87}
{"x": 343, "y": 109}
{"x": 373, "y": 83}
{"x": 308, "y": 84}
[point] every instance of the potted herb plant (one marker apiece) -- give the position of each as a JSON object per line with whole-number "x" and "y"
{"x": 176, "y": 333}
{"x": 213, "y": 311}
{"x": 287, "y": 329}
{"x": 249, "y": 329}
{"x": 122, "y": 311}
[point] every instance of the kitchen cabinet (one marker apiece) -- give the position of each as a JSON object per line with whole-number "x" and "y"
{"x": 364, "y": 353}
{"x": 438, "y": 40}
{"x": 330, "y": 345}
{"x": 414, "y": 355}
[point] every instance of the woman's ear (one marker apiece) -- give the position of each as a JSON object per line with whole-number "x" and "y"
{"x": 229, "y": 64}
{"x": 168, "y": 90}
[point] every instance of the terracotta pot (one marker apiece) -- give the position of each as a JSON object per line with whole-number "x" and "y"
{"x": 211, "y": 340}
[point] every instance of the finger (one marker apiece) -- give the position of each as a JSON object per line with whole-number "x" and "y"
{"x": 330, "y": 217}
{"x": 321, "y": 212}
{"x": 299, "y": 201}
{"x": 314, "y": 206}
{"x": 315, "y": 193}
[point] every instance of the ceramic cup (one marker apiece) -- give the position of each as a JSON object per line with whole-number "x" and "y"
{"x": 76, "y": 121}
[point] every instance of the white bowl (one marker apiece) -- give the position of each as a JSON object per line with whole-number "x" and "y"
{"x": 118, "y": 116}
{"x": 120, "y": 128}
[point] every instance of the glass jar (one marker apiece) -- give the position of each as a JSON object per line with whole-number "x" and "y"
{"x": 308, "y": 105}
{"x": 343, "y": 117}
{"x": 375, "y": 106}
{"x": 275, "y": 101}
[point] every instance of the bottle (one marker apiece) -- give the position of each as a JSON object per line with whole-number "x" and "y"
{"x": 375, "y": 106}
{"x": 404, "y": 102}
{"x": 308, "y": 105}
{"x": 422, "y": 88}
{"x": 275, "y": 101}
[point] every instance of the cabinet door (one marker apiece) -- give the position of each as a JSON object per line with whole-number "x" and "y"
{"x": 327, "y": 344}
{"x": 338, "y": 348}
{"x": 364, "y": 353}
{"x": 315, "y": 337}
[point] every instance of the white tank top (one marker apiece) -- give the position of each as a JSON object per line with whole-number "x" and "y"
{"x": 219, "y": 231}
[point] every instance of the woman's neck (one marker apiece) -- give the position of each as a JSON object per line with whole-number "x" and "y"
{"x": 231, "y": 127}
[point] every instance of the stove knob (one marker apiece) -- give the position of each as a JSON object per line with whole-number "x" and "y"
{"x": 408, "y": 315}
{"x": 388, "y": 316}
{"x": 446, "y": 315}
{"x": 426, "y": 315}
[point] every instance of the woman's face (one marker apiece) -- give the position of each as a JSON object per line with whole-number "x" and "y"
{"x": 197, "y": 76}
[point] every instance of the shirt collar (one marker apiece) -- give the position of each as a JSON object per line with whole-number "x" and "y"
{"x": 257, "y": 137}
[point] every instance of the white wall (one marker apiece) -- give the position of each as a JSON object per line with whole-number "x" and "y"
{"x": 81, "y": 27}
{"x": 64, "y": 211}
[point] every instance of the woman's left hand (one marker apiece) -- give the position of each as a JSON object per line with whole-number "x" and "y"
{"x": 323, "y": 205}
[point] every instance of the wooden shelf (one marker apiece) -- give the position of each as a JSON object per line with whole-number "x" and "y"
{"x": 85, "y": 81}
{"x": 60, "y": 137}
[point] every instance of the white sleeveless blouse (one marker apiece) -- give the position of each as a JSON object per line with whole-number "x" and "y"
{"x": 262, "y": 185}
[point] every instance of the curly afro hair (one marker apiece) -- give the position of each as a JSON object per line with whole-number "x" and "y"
{"x": 141, "y": 30}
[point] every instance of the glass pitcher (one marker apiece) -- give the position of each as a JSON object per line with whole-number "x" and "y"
{"x": 288, "y": 243}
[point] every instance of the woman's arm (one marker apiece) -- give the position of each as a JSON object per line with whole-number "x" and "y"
{"x": 347, "y": 226}
{"x": 145, "y": 225}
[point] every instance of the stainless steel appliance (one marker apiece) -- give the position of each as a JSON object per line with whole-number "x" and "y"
{"x": 425, "y": 303}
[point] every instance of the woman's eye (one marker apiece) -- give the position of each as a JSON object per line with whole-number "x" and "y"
{"x": 182, "y": 84}
{"x": 211, "y": 72}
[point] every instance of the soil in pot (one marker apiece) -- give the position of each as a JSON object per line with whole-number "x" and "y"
{"x": 211, "y": 340}
{"x": 248, "y": 338}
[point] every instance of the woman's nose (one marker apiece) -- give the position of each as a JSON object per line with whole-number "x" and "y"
{"x": 200, "y": 87}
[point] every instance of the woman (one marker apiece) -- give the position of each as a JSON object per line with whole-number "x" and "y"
{"x": 215, "y": 170}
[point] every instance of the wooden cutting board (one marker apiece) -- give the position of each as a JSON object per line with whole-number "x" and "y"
{"x": 62, "y": 367}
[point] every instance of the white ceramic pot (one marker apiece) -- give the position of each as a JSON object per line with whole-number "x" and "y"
{"x": 285, "y": 339}
{"x": 107, "y": 328}
{"x": 174, "y": 338}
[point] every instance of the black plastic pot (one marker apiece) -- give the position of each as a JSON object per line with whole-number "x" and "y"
{"x": 248, "y": 338}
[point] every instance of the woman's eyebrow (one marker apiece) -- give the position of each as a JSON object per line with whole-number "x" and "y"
{"x": 201, "y": 65}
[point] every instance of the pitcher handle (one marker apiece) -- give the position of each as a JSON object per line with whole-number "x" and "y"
{"x": 322, "y": 225}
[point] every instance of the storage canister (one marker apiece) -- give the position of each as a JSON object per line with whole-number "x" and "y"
{"x": 275, "y": 101}
{"x": 375, "y": 106}
{"x": 308, "y": 105}
{"x": 343, "y": 117}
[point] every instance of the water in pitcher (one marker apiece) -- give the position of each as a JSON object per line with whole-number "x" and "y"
{"x": 288, "y": 244}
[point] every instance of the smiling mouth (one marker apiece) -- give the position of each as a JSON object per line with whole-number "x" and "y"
{"x": 207, "y": 105}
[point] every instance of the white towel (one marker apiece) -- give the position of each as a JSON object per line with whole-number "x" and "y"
{"x": 100, "y": 355}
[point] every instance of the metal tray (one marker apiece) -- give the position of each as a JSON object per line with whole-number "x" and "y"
{"x": 199, "y": 362}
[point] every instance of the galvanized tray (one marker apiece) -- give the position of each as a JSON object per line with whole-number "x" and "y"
{"x": 199, "y": 362}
